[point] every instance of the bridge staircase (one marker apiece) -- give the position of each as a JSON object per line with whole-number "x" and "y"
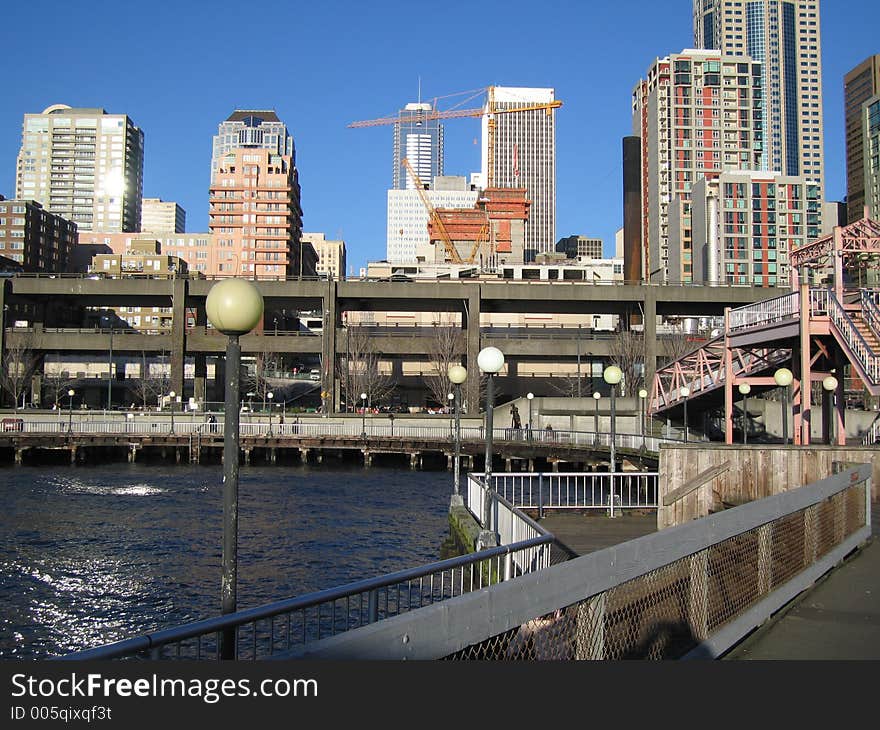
{"x": 760, "y": 338}
{"x": 756, "y": 340}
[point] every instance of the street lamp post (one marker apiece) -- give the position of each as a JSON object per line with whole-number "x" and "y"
{"x": 363, "y": 416}
{"x": 530, "y": 397}
{"x": 171, "y": 396}
{"x": 829, "y": 385}
{"x": 270, "y": 395}
{"x": 783, "y": 378}
{"x": 110, "y": 371}
{"x": 457, "y": 375}
{"x": 612, "y": 375}
{"x": 643, "y": 394}
{"x": 490, "y": 360}
{"x": 744, "y": 390}
{"x": 70, "y": 394}
{"x": 234, "y": 307}
{"x": 685, "y": 392}
{"x": 450, "y": 397}
{"x": 597, "y": 396}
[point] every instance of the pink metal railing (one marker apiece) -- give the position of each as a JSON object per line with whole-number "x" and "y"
{"x": 854, "y": 341}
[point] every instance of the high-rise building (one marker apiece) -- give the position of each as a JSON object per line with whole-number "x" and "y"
{"x": 255, "y": 214}
{"x": 420, "y": 142}
{"x": 523, "y": 155}
{"x": 162, "y": 216}
{"x": 745, "y": 224}
{"x": 34, "y": 237}
{"x": 251, "y": 128}
{"x": 85, "y": 165}
{"x": 582, "y": 247}
{"x": 408, "y": 240}
{"x": 784, "y": 37}
{"x": 331, "y": 259}
{"x": 859, "y": 85}
{"x": 697, "y": 113}
{"x": 871, "y": 151}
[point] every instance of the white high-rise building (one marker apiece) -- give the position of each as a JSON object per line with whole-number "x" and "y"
{"x": 523, "y": 155}
{"x": 83, "y": 164}
{"x": 420, "y": 142}
{"x": 162, "y": 216}
{"x": 784, "y": 37}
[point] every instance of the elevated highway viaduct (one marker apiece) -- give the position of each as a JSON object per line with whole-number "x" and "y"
{"x": 50, "y": 300}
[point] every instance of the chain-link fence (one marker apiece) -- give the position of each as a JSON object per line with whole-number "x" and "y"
{"x": 688, "y": 591}
{"x": 670, "y": 610}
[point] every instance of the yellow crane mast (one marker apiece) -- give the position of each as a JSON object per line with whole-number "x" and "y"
{"x": 451, "y": 251}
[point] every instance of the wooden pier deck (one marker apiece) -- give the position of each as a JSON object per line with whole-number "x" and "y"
{"x": 578, "y": 534}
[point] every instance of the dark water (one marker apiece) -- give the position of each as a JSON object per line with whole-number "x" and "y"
{"x": 90, "y": 555}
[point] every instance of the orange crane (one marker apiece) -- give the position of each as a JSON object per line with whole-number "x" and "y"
{"x": 451, "y": 251}
{"x": 489, "y": 110}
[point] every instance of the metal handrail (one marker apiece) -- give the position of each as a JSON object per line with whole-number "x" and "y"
{"x": 577, "y": 490}
{"x": 487, "y": 567}
{"x": 766, "y": 312}
{"x": 348, "y": 427}
{"x": 857, "y": 344}
{"x": 870, "y": 311}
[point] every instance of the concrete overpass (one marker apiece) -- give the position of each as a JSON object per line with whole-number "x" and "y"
{"x": 49, "y": 301}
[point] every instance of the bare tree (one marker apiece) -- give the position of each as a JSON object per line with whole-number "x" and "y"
{"x": 358, "y": 370}
{"x": 571, "y": 385}
{"x": 19, "y": 361}
{"x": 265, "y": 372}
{"x": 153, "y": 382}
{"x": 628, "y": 353}
{"x": 445, "y": 349}
{"x": 58, "y": 382}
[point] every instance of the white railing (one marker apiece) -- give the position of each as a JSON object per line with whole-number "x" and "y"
{"x": 766, "y": 312}
{"x": 77, "y": 423}
{"x": 511, "y": 526}
{"x": 819, "y": 302}
{"x": 872, "y": 434}
{"x": 868, "y": 359}
{"x": 577, "y": 490}
{"x": 870, "y": 310}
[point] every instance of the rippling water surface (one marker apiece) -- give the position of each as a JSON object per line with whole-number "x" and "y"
{"x": 90, "y": 555}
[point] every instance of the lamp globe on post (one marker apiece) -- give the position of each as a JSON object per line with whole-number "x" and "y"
{"x": 363, "y": 415}
{"x": 490, "y": 360}
{"x": 783, "y": 378}
{"x": 685, "y": 392}
{"x": 829, "y": 385}
{"x": 643, "y": 394}
{"x": 270, "y": 395}
{"x": 234, "y": 307}
{"x": 457, "y": 376}
{"x": 744, "y": 390}
{"x": 171, "y": 397}
{"x": 530, "y": 397}
{"x": 70, "y": 394}
{"x": 597, "y": 396}
{"x": 612, "y": 375}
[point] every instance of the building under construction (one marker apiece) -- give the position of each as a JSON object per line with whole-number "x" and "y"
{"x": 490, "y": 234}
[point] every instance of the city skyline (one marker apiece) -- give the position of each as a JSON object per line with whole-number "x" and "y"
{"x": 344, "y": 172}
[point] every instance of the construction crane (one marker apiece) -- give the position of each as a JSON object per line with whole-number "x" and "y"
{"x": 489, "y": 110}
{"x": 451, "y": 251}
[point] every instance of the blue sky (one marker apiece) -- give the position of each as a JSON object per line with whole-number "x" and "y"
{"x": 178, "y": 69}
